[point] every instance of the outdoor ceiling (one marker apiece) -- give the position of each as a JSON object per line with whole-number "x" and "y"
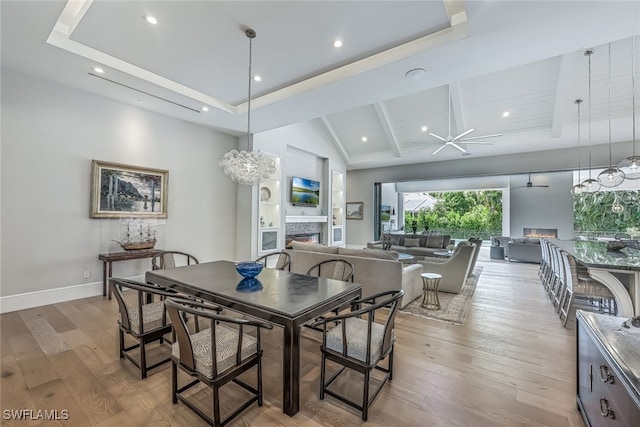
{"x": 524, "y": 57}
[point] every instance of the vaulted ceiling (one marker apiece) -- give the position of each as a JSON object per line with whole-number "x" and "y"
{"x": 481, "y": 59}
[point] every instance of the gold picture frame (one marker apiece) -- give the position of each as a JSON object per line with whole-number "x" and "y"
{"x": 355, "y": 210}
{"x": 125, "y": 191}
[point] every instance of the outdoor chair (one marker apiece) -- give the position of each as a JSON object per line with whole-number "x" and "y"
{"x": 359, "y": 343}
{"x": 235, "y": 350}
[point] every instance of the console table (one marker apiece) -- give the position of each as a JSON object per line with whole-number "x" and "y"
{"x": 109, "y": 259}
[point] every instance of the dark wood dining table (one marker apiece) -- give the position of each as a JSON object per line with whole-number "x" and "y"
{"x": 279, "y": 297}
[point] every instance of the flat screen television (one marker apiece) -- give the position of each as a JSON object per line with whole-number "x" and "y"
{"x": 305, "y": 192}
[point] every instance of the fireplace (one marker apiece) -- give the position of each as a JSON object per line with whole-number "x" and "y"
{"x": 304, "y": 237}
{"x": 546, "y": 233}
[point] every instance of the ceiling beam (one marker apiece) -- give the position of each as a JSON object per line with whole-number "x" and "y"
{"x": 335, "y": 140}
{"x": 564, "y": 94}
{"x": 381, "y": 111}
{"x": 457, "y": 113}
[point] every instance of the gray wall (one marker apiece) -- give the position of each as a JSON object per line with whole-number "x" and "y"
{"x": 50, "y": 133}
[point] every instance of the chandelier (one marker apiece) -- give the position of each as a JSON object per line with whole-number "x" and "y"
{"x": 613, "y": 175}
{"x": 590, "y": 185}
{"x": 248, "y": 167}
{"x": 631, "y": 164}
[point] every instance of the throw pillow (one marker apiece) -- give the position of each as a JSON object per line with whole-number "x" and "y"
{"x": 519, "y": 240}
{"x": 533, "y": 240}
{"x": 435, "y": 242}
{"x": 395, "y": 240}
{"x": 411, "y": 243}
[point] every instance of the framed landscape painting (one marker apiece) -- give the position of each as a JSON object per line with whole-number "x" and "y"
{"x": 355, "y": 210}
{"x": 124, "y": 191}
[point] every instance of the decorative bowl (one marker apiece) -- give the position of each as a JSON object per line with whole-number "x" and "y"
{"x": 249, "y": 284}
{"x": 249, "y": 269}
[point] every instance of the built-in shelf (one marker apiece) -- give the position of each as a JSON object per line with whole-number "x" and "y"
{"x": 305, "y": 218}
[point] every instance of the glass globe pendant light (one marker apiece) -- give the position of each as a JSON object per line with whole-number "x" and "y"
{"x": 617, "y": 208}
{"x": 590, "y": 185}
{"x": 631, "y": 165}
{"x": 248, "y": 167}
{"x": 578, "y": 188}
{"x": 612, "y": 176}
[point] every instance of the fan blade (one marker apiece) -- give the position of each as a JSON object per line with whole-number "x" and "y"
{"x": 462, "y": 134}
{"x": 458, "y": 147}
{"x": 437, "y": 136}
{"x": 481, "y": 137}
{"x": 476, "y": 142}
{"x": 438, "y": 150}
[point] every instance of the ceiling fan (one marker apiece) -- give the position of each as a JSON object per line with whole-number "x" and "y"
{"x": 530, "y": 184}
{"x": 460, "y": 139}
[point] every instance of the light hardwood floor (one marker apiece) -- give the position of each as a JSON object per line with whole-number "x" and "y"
{"x": 510, "y": 364}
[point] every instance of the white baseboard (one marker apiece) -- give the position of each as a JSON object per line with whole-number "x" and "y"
{"x": 52, "y": 296}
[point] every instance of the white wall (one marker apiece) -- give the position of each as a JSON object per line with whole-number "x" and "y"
{"x": 50, "y": 133}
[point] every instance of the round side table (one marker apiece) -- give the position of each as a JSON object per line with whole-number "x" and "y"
{"x": 430, "y": 283}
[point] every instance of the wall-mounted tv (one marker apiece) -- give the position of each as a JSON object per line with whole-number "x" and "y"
{"x": 305, "y": 192}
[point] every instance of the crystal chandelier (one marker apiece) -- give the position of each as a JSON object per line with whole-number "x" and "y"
{"x": 631, "y": 165}
{"x": 590, "y": 185}
{"x": 248, "y": 167}
{"x": 612, "y": 176}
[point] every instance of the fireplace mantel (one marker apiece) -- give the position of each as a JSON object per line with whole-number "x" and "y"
{"x": 305, "y": 218}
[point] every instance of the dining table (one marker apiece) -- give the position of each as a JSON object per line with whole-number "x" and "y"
{"x": 618, "y": 270}
{"x": 280, "y": 297}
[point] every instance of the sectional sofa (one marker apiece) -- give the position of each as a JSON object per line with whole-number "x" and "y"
{"x": 421, "y": 245}
{"x": 375, "y": 270}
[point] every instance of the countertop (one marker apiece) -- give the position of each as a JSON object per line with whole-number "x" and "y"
{"x": 595, "y": 254}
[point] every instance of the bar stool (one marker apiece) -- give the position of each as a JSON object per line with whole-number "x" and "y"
{"x": 430, "y": 283}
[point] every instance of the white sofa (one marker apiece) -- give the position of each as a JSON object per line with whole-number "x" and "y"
{"x": 375, "y": 270}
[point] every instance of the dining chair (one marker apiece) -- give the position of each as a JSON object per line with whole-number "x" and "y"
{"x": 171, "y": 259}
{"x": 141, "y": 318}
{"x": 276, "y": 260}
{"x": 214, "y": 356}
{"x": 338, "y": 269}
{"x": 359, "y": 343}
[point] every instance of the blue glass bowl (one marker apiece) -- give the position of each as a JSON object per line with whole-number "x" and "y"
{"x": 249, "y": 269}
{"x": 249, "y": 285}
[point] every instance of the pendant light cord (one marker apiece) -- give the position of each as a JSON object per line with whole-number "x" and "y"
{"x": 589, "y": 52}
{"x": 610, "y": 164}
{"x": 633, "y": 93}
{"x": 251, "y": 34}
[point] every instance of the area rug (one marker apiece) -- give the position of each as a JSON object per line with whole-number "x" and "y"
{"x": 454, "y": 307}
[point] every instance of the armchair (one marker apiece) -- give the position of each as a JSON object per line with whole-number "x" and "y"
{"x": 454, "y": 270}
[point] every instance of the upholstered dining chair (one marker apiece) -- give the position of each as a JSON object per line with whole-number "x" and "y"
{"x": 584, "y": 288}
{"x": 214, "y": 356}
{"x": 141, "y": 318}
{"x": 360, "y": 343}
{"x": 338, "y": 269}
{"x": 276, "y": 260}
{"x": 171, "y": 259}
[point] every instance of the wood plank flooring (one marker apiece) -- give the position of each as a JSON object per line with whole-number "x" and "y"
{"x": 510, "y": 364}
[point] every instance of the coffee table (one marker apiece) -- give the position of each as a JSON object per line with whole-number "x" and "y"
{"x": 406, "y": 258}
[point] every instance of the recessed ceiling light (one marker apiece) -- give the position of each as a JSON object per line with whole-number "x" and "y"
{"x": 151, "y": 20}
{"x": 364, "y": 139}
{"x": 337, "y": 43}
{"x": 416, "y": 73}
{"x": 257, "y": 78}
{"x": 205, "y": 108}
{"x": 98, "y": 70}
{"x": 424, "y": 128}
{"x": 506, "y": 114}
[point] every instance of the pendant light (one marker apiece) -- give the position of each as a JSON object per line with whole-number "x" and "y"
{"x": 578, "y": 188}
{"x": 248, "y": 167}
{"x": 590, "y": 185}
{"x": 612, "y": 176}
{"x": 631, "y": 165}
{"x": 617, "y": 208}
